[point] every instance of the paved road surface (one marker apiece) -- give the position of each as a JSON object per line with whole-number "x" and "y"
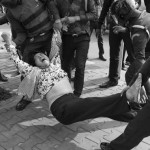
{"x": 36, "y": 129}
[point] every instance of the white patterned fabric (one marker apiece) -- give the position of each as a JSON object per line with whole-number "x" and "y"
{"x": 45, "y": 79}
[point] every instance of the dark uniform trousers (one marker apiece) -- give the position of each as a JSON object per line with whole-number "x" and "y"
{"x": 139, "y": 127}
{"x": 41, "y": 43}
{"x": 75, "y": 46}
{"x": 116, "y": 52}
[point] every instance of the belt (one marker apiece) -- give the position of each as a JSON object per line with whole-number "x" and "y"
{"x": 75, "y": 35}
{"x": 41, "y": 34}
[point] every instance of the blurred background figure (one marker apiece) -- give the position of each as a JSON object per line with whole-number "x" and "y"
{"x": 94, "y": 26}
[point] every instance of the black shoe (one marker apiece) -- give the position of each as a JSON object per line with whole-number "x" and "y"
{"x": 102, "y": 58}
{"x": 22, "y": 104}
{"x": 3, "y": 78}
{"x": 105, "y": 146}
{"x": 108, "y": 84}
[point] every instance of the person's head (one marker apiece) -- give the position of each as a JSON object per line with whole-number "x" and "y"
{"x": 38, "y": 59}
{"x": 9, "y": 3}
{"x": 124, "y": 9}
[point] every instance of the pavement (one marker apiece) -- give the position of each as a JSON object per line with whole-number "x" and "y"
{"x": 35, "y": 128}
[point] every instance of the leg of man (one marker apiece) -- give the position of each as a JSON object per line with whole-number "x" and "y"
{"x": 68, "y": 49}
{"x": 100, "y": 46}
{"x": 82, "y": 47}
{"x": 41, "y": 43}
{"x": 115, "y": 55}
{"x": 22, "y": 104}
{"x": 128, "y": 46}
{"x": 115, "y": 58}
{"x": 134, "y": 133}
{"x": 139, "y": 52}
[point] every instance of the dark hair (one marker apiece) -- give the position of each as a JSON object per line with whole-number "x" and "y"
{"x": 31, "y": 59}
{"x": 121, "y": 9}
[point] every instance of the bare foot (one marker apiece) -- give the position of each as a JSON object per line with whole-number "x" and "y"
{"x": 133, "y": 93}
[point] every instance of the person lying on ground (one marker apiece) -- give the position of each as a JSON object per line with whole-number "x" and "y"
{"x": 43, "y": 75}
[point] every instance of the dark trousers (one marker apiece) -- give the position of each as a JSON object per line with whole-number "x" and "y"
{"x": 147, "y": 4}
{"x": 75, "y": 46}
{"x": 99, "y": 39}
{"x": 38, "y": 43}
{"x": 100, "y": 44}
{"x": 69, "y": 108}
{"x": 116, "y": 52}
{"x": 136, "y": 130}
{"x": 139, "y": 44}
{"x": 139, "y": 127}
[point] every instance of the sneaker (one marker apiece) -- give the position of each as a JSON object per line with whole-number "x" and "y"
{"x": 22, "y": 104}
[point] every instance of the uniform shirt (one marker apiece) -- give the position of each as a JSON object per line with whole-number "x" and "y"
{"x": 18, "y": 26}
{"x": 76, "y": 8}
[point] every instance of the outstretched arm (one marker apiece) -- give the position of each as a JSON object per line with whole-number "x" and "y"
{"x": 23, "y": 67}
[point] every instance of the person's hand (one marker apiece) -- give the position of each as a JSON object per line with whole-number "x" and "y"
{"x": 10, "y": 48}
{"x": 73, "y": 19}
{"x": 143, "y": 95}
{"x": 65, "y": 27}
{"x": 64, "y": 20}
{"x": 57, "y": 25}
{"x": 117, "y": 29}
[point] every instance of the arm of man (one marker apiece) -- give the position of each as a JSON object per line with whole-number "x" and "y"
{"x": 53, "y": 9}
{"x": 90, "y": 12}
{"x": 17, "y": 26}
{"x": 3, "y": 20}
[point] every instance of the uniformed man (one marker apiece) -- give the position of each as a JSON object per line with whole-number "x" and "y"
{"x": 33, "y": 23}
{"x": 139, "y": 22}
